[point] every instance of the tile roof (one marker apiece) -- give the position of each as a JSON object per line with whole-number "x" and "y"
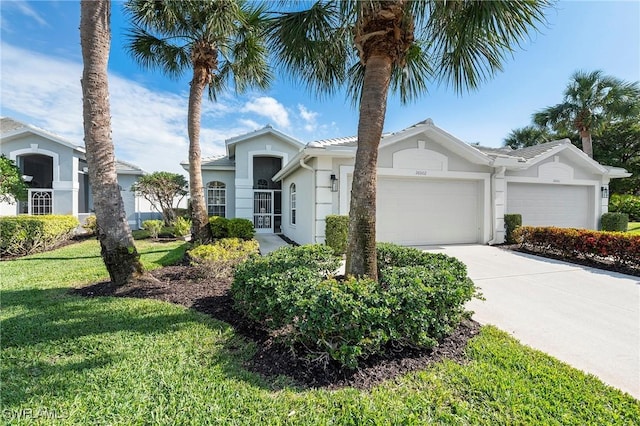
{"x": 531, "y": 152}
{"x": 217, "y": 160}
{"x": 8, "y": 125}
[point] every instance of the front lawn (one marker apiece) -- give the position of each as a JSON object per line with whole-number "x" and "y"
{"x": 634, "y": 228}
{"x": 109, "y": 360}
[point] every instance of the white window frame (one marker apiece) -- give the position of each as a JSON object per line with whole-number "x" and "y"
{"x": 292, "y": 204}
{"x": 215, "y": 191}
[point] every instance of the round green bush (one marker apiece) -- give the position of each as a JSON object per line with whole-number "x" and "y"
{"x": 219, "y": 226}
{"x": 293, "y": 292}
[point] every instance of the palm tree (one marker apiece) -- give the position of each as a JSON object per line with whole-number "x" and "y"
{"x": 220, "y": 42}
{"x": 118, "y": 250}
{"x": 373, "y": 46}
{"x": 527, "y": 136}
{"x": 591, "y": 100}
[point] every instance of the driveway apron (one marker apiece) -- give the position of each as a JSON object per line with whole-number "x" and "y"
{"x": 586, "y": 317}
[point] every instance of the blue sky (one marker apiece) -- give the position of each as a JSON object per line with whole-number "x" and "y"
{"x": 40, "y": 69}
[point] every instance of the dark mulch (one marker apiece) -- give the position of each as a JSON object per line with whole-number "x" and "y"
{"x": 607, "y": 265}
{"x": 186, "y": 286}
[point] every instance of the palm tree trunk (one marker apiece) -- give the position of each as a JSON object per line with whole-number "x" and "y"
{"x": 199, "y": 216}
{"x": 118, "y": 250}
{"x": 361, "y": 249}
{"x": 587, "y": 144}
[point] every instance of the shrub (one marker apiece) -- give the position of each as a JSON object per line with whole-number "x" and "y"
{"x": 181, "y": 226}
{"x": 629, "y": 204}
{"x": 598, "y": 246}
{"x": 218, "y": 260}
{"x": 241, "y": 228}
{"x": 91, "y": 225}
{"x": 224, "y": 249}
{"x": 615, "y": 222}
{"x": 511, "y": 223}
{"x": 336, "y": 233}
{"x": 292, "y": 293}
{"x": 153, "y": 227}
{"x": 219, "y": 226}
{"x": 21, "y": 235}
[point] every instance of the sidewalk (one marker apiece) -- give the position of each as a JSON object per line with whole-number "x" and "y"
{"x": 269, "y": 243}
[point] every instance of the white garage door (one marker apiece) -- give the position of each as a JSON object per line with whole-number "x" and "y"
{"x": 565, "y": 206}
{"x": 420, "y": 211}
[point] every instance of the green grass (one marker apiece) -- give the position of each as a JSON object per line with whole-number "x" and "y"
{"x": 131, "y": 361}
{"x": 634, "y": 228}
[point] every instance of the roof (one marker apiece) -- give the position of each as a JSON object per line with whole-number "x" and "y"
{"x": 11, "y": 128}
{"x": 127, "y": 168}
{"x": 532, "y": 152}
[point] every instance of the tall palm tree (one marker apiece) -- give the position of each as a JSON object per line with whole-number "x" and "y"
{"x": 220, "y": 42}
{"x": 527, "y": 136}
{"x": 591, "y": 100}
{"x": 373, "y": 46}
{"x": 118, "y": 250}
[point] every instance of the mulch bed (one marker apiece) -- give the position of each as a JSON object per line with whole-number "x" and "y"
{"x": 603, "y": 264}
{"x": 183, "y": 285}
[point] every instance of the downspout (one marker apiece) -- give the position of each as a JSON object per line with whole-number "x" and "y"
{"x": 313, "y": 195}
{"x": 494, "y": 219}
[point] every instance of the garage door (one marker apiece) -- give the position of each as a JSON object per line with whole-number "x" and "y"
{"x": 420, "y": 211}
{"x": 565, "y": 206}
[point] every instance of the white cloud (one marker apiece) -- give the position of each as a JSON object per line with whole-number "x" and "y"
{"x": 149, "y": 127}
{"x": 22, "y": 7}
{"x": 269, "y": 107}
{"x": 310, "y": 118}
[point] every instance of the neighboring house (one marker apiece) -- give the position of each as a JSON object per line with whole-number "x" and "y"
{"x": 56, "y": 172}
{"x": 432, "y": 187}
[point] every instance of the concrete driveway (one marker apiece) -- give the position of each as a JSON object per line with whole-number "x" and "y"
{"x": 586, "y": 317}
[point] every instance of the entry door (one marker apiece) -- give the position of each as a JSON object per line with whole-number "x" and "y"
{"x": 263, "y": 211}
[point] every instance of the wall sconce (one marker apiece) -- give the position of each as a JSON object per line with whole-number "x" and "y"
{"x": 334, "y": 183}
{"x": 604, "y": 191}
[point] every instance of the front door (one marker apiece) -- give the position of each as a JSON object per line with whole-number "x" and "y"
{"x": 263, "y": 211}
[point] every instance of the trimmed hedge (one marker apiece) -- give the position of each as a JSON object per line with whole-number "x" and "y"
{"x": 224, "y": 249}
{"x": 511, "y": 223}
{"x": 336, "y": 233}
{"x": 615, "y": 222}
{"x": 598, "y": 246}
{"x": 293, "y": 294}
{"x": 231, "y": 228}
{"x": 219, "y": 226}
{"x": 241, "y": 228}
{"x": 181, "y": 226}
{"x": 22, "y": 235}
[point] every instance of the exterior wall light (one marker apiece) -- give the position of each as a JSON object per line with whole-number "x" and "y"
{"x": 604, "y": 191}
{"x": 334, "y": 183}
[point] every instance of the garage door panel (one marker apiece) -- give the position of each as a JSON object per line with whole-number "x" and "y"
{"x": 422, "y": 211}
{"x": 566, "y": 206}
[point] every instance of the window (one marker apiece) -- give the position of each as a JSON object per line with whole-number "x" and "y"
{"x": 217, "y": 199}
{"x": 292, "y": 201}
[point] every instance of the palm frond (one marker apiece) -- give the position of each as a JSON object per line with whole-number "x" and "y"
{"x": 313, "y": 45}
{"x": 472, "y": 38}
{"x": 153, "y": 52}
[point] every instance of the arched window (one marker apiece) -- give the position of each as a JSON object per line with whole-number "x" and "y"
{"x": 217, "y": 199}
{"x": 292, "y": 202}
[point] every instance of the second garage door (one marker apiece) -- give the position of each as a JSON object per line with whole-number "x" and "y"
{"x": 565, "y": 206}
{"x": 425, "y": 211}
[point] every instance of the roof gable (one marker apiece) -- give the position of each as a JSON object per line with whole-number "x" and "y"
{"x": 433, "y": 132}
{"x": 11, "y": 129}
{"x": 267, "y": 130}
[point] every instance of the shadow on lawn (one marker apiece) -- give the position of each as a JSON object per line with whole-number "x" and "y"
{"x": 58, "y": 324}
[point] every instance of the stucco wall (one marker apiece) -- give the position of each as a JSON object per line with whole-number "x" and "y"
{"x": 228, "y": 178}
{"x": 302, "y": 231}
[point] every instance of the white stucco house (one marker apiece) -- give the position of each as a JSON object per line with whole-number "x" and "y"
{"x": 432, "y": 187}
{"x": 57, "y": 173}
